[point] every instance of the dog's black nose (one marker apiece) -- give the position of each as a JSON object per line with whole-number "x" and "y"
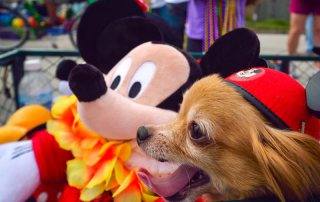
{"x": 142, "y": 134}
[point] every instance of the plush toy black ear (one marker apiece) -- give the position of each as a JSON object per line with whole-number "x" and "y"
{"x": 120, "y": 37}
{"x": 313, "y": 94}
{"x": 95, "y": 19}
{"x": 170, "y": 35}
{"x": 232, "y": 52}
{"x": 64, "y": 68}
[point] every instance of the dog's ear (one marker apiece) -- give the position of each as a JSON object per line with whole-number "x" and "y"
{"x": 237, "y": 50}
{"x": 289, "y": 162}
{"x": 313, "y": 94}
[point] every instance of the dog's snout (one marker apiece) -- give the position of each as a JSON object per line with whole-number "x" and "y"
{"x": 142, "y": 134}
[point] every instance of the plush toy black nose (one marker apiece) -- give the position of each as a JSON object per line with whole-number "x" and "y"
{"x": 142, "y": 134}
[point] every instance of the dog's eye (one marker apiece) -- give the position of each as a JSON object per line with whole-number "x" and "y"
{"x": 196, "y": 132}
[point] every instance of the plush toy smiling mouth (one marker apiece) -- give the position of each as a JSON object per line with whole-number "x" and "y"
{"x": 175, "y": 186}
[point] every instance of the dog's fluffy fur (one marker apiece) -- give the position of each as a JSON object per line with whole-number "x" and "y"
{"x": 242, "y": 154}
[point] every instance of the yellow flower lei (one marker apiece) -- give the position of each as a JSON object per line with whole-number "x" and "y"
{"x": 98, "y": 164}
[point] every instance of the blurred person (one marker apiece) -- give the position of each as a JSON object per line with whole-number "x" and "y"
{"x": 177, "y": 11}
{"x": 299, "y": 11}
{"x": 159, "y": 7}
{"x": 207, "y": 20}
{"x": 158, "y": 14}
{"x": 309, "y": 35}
{"x": 52, "y": 7}
{"x": 195, "y": 25}
{"x": 310, "y": 45}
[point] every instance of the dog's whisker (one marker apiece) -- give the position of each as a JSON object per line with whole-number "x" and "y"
{"x": 189, "y": 177}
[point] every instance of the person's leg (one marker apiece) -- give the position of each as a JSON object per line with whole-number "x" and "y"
{"x": 316, "y": 30}
{"x": 297, "y": 23}
{"x": 52, "y": 12}
{"x": 155, "y": 11}
{"x": 194, "y": 45}
{"x": 178, "y": 13}
{"x": 316, "y": 35}
{"x": 163, "y": 13}
{"x": 316, "y": 22}
{"x": 309, "y": 34}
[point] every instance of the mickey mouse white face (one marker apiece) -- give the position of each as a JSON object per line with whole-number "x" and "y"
{"x": 140, "y": 80}
{"x": 149, "y": 74}
{"x": 120, "y": 73}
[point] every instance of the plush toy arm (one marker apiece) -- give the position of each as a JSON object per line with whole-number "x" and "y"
{"x": 19, "y": 172}
{"x": 50, "y": 158}
{"x": 24, "y": 164}
{"x": 100, "y": 108}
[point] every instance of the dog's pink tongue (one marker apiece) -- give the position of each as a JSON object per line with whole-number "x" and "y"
{"x": 169, "y": 185}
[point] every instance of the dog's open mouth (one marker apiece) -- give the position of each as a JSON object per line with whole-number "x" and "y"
{"x": 176, "y": 185}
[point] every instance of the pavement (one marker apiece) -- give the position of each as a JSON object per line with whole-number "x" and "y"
{"x": 62, "y": 42}
{"x": 273, "y": 44}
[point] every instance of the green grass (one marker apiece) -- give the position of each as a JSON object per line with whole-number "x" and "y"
{"x": 268, "y": 25}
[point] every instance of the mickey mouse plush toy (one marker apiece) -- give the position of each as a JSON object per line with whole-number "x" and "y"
{"x": 133, "y": 78}
{"x": 120, "y": 90}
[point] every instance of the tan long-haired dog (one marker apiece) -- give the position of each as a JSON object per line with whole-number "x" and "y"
{"x": 227, "y": 149}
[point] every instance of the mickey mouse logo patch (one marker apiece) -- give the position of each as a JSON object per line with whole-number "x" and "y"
{"x": 250, "y": 74}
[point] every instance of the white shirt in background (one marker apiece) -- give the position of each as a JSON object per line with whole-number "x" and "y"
{"x": 157, "y": 3}
{"x": 175, "y": 1}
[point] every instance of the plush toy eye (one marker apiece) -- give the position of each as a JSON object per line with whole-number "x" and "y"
{"x": 141, "y": 79}
{"x": 120, "y": 73}
{"x": 135, "y": 89}
{"x": 115, "y": 82}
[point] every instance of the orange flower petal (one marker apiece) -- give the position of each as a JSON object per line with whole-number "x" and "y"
{"x": 78, "y": 173}
{"x": 120, "y": 172}
{"x": 126, "y": 183}
{"x": 105, "y": 148}
{"x": 56, "y": 126}
{"x": 62, "y": 109}
{"x": 149, "y": 198}
{"x": 89, "y": 143}
{"x": 124, "y": 151}
{"x": 75, "y": 112}
{"x": 65, "y": 138}
{"x": 112, "y": 184}
{"x": 77, "y": 152}
{"x": 62, "y": 105}
{"x": 83, "y": 131}
{"x": 131, "y": 193}
{"x": 88, "y": 194}
{"x": 103, "y": 173}
{"x": 91, "y": 156}
{"x": 98, "y": 165}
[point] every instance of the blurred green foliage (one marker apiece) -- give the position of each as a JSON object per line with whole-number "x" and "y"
{"x": 268, "y": 25}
